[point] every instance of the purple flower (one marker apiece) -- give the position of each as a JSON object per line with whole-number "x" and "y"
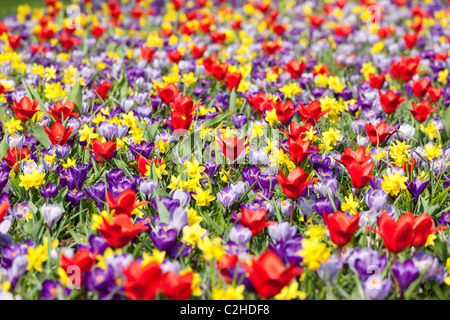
{"x": 416, "y": 187}
{"x": 227, "y": 197}
{"x": 50, "y": 290}
{"x": 444, "y": 218}
{"x": 52, "y": 213}
{"x": 97, "y": 193}
{"x": 49, "y": 191}
{"x": 101, "y": 281}
{"x": 164, "y": 237}
{"x": 240, "y": 235}
{"x": 376, "y": 288}
{"x": 239, "y": 120}
{"x": 323, "y": 205}
{"x": 329, "y": 270}
{"x": 376, "y": 199}
{"x": 405, "y": 273}
{"x": 365, "y": 262}
{"x": 20, "y": 210}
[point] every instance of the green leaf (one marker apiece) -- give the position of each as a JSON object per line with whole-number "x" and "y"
{"x": 214, "y": 121}
{"x": 154, "y": 128}
{"x": 33, "y": 95}
{"x": 447, "y": 121}
{"x": 163, "y": 213}
{"x": 61, "y": 197}
{"x": 3, "y": 147}
{"x": 76, "y": 97}
{"x": 40, "y": 135}
{"x": 4, "y": 117}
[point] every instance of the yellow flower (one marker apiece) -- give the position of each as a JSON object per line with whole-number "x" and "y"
{"x": 98, "y": 219}
{"x": 316, "y": 231}
{"x": 36, "y": 257}
{"x": 193, "y": 168}
{"x": 271, "y": 117}
{"x": 193, "y": 217}
{"x": 156, "y": 256}
{"x": 192, "y": 234}
{"x": 87, "y": 134}
{"x": 350, "y": 205}
{"x": 430, "y": 240}
{"x": 33, "y": 180}
{"x": 432, "y": 130}
{"x": 203, "y": 197}
{"x": 231, "y": 293}
{"x": 211, "y": 249}
{"x": 314, "y": 252}
{"x": 290, "y": 90}
{"x": 162, "y": 145}
{"x": 393, "y": 183}
{"x": 432, "y": 152}
{"x": 290, "y": 292}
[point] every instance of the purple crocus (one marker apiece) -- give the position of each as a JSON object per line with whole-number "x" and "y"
{"x": 226, "y": 197}
{"x": 376, "y": 199}
{"x": 376, "y": 288}
{"x": 49, "y": 191}
{"x": 164, "y": 237}
{"x": 52, "y": 213}
{"x": 405, "y": 273}
{"x": 416, "y": 187}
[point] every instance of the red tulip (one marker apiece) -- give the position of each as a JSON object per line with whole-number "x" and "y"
{"x": 279, "y": 29}
{"x": 439, "y": 56}
{"x": 228, "y": 262}
{"x": 142, "y": 283}
{"x": 296, "y": 130}
{"x": 260, "y": 102}
{"x": 378, "y": 134}
{"x": 360, "y": 174}
{"x": 58, "y": 134}
{"x": 176, "y": 287}
{"x": 233, "y": 79}
{"x": 359, "y": 156}
{"x": 103, "y": 151}
{"x": 62, "y": 111}
{"x": 341, "y": 227}
{"x": 422, "y": 110}
{"x": 217, "y": 70}
{"x": 147, "y": 54}
{"x": 405, "y": 69}
{"x": 410, "y": 40}
{"x": 312, "y": 113}
{"x": 377, "y": 82}
{"x": 97, "y": 31}
{"x": 218, "y": 37}
{"x": 254, "y": 220}
{"x": 16, "y": 156}
{"x": 36, "y": 48}
{"x": 285, "y": 110}
{"x": 25, "y": 109}
{"x": 295, "y": 68}
{"x": 3, "y": 28}
{"x": 420, "y": 88}
{"x": 390, "y": 101}
{"x": 4, "y": 207}
{"x": 120, "y": 231}
{"x": 422, "y": 228}
{"x": 343, "y": 31}
{"x": 169, "y": 93}
{"x": 435, "y": 93}
{"x": 270, "y": 48}
{"x": 14, "y": 41}
{"x": 397, "y": 235}
{"x": 83, "y": 260}
{"x": 296, "y": 181}
{"x": 137, "y": 12}
{"x": 232, "y": 147}
{"x": 316, "y": 20}
{"x": 198, "y": 51}
{"x": 103, "y": 90}
{"x": 298, "y": 149}
{"x": 174, "y": 56}
{"x": 268, "y": 275}
{"x": 125, "y": 203}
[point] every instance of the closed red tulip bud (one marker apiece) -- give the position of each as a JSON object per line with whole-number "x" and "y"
{"x": 103, "y": 151}
{"x": 341, "y": 228}
{"x": 377, "y": 82}
{"x": 294, "y": 184}
{"x": 268, "y": 275}
{"x": 284, "y": 110}
{"x": 422, "y": 110}
{"x": 58, "y": 134}
{"x": 147, "y": 54}
{"x": 177, "y": 287}
{"x": 410, "y": 40}
{"x": 14, "y": 41}
{"x": 142, "y": 282}
{"x": 177, "y": 4}
{"x": 360, "y": 174}
{"x": 63, "y": 111}
{"x": 233, "y": 79}
{"x": 137, "y": 12}
{"x": 279, "y": 29}
{"x": 169, "y": 93}
{"x": 422, "y": 228}
{"x": 103, "y": 89}
{"x": 120, "y": 231}
{"x": 390, "y": 101}
{"x": 198, "y": 51}
{"x": 312, "y": 113}
{"x": 343, "y": 31}
{"x": 359, "y": 156}
{"x": 295, "y": 68}
{"x": 434, "y": 93}
{"x": 125, "y": 203}
{"x": 420, "y": 88}
{"x": 218, "y": 37}
{"x": 397, "y": 235}
{"x": 25, "y": 109}
{"x": 378, "y": 134}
